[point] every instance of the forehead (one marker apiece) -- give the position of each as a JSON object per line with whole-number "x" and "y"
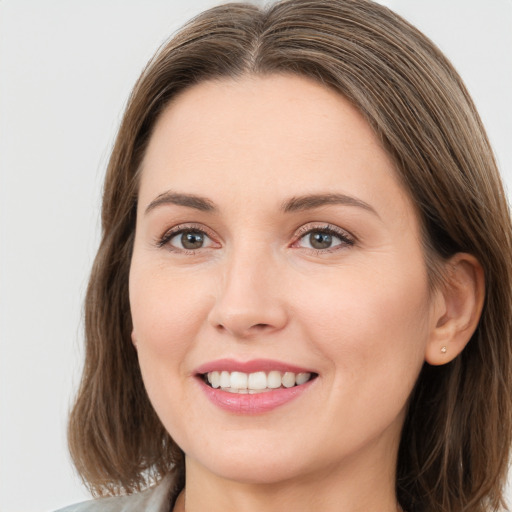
{"x": 273, "y": 136}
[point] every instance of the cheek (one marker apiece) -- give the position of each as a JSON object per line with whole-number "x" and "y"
{"x": 166, "y": 309}
{"x": 366, "y": 321}
{"x": 371, "y": 332}
{"x": 166, "y": 319}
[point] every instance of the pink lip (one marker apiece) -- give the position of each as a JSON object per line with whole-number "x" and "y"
{"x": 255, "y": 365}
{"x": 246, "y": 403}
{"x": 252, "y": 404}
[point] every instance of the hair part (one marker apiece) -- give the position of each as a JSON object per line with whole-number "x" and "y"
{"x": 455, "y": 442}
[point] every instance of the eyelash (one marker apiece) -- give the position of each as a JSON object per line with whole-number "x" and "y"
{"x": 179, "y": 230}
{"x": 346, "y": 239}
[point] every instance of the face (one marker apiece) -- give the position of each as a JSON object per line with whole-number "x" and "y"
{"x": 277, "y": 256}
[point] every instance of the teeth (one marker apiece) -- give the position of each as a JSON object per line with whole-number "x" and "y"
{"x": 214, "y": 379}
{"x": 238, "y": 380}
{"x": 288, "y": 380}
{"x": 225, "y": 380}
{"x": 302, "y": 378}
{"x": 274, "y": 380}
{"x": 257, "y": 382}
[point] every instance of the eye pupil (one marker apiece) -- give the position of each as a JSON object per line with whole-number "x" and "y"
{"x": 320, "y": 240}
{"x": 192, "y": 240}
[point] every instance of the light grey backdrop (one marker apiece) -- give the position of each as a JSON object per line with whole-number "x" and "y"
{"x": 66, "y": 68}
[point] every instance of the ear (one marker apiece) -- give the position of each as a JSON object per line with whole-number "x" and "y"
{"x": 457, "y": 310}
{"x": 134, "y": 339}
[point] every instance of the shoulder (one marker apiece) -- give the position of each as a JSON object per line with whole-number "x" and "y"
{"x": 154, "y": 499}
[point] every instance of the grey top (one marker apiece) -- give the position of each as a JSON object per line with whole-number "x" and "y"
{"x": 154, "y": 499}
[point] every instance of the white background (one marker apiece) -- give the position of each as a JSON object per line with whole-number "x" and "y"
{"x": 66, "y": 68}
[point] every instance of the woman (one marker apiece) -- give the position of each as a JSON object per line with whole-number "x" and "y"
{"x": 302, "y": 295}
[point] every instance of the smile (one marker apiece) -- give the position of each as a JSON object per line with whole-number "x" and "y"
{"x": 253, "y": 387}
{"x": 256, "y": 382}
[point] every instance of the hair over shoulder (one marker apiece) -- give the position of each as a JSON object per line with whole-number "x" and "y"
{"x": 455, "y": 443}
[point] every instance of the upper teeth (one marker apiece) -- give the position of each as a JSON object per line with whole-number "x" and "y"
{"x": 239, "y": 382}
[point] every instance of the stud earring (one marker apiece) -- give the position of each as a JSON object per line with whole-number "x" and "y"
{"x": 443, "y": 349}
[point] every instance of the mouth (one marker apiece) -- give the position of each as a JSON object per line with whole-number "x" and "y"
{"x": 253, "y": 387}
{"x": 256, "y": 382}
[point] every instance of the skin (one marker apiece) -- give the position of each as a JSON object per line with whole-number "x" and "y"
{"x": 360, "y": 313}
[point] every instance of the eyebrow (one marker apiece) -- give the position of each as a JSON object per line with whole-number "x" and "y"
{"x": 295, "y": 204}
{"x": 190, "y": 200}
{"x": 309, "y": 202}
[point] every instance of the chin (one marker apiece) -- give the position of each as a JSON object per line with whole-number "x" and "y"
{"x": 264, "y": 472}
{"x": 251, "y": 466}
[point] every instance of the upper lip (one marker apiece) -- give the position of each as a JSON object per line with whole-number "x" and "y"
{"x": 254, "y": 365}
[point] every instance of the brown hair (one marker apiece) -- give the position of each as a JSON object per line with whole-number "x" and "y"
{"x": 455, "y": 441}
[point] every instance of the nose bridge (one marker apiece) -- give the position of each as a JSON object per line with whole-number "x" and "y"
{"x": 248, "y": 299}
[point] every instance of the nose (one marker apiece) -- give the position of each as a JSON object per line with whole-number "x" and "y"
{"x": 249, "y": 300}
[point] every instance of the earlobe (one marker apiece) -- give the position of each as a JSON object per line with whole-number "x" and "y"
{"x": 461, "y": 300}
{"x": 134, "y": 340}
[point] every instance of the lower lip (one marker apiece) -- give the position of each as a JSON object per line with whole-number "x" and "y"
{"x": 253, "y": 404}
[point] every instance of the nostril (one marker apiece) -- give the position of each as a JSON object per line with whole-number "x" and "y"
{"x": 252, "y": 328}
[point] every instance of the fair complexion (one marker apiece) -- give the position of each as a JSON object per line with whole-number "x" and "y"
{"x": 271, "y": 226}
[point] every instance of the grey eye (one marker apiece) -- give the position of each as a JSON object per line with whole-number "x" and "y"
{"x": 190, "y": 240}
{"x": 319, "y": 240}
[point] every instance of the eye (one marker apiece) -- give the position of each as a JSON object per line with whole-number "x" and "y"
{"x": 186, "y": 239}
{"x": 190, "y": 240}
{"x": 323, "y": 238}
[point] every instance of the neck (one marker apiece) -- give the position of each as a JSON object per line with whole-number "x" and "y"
{"x": 346, "y": 488}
